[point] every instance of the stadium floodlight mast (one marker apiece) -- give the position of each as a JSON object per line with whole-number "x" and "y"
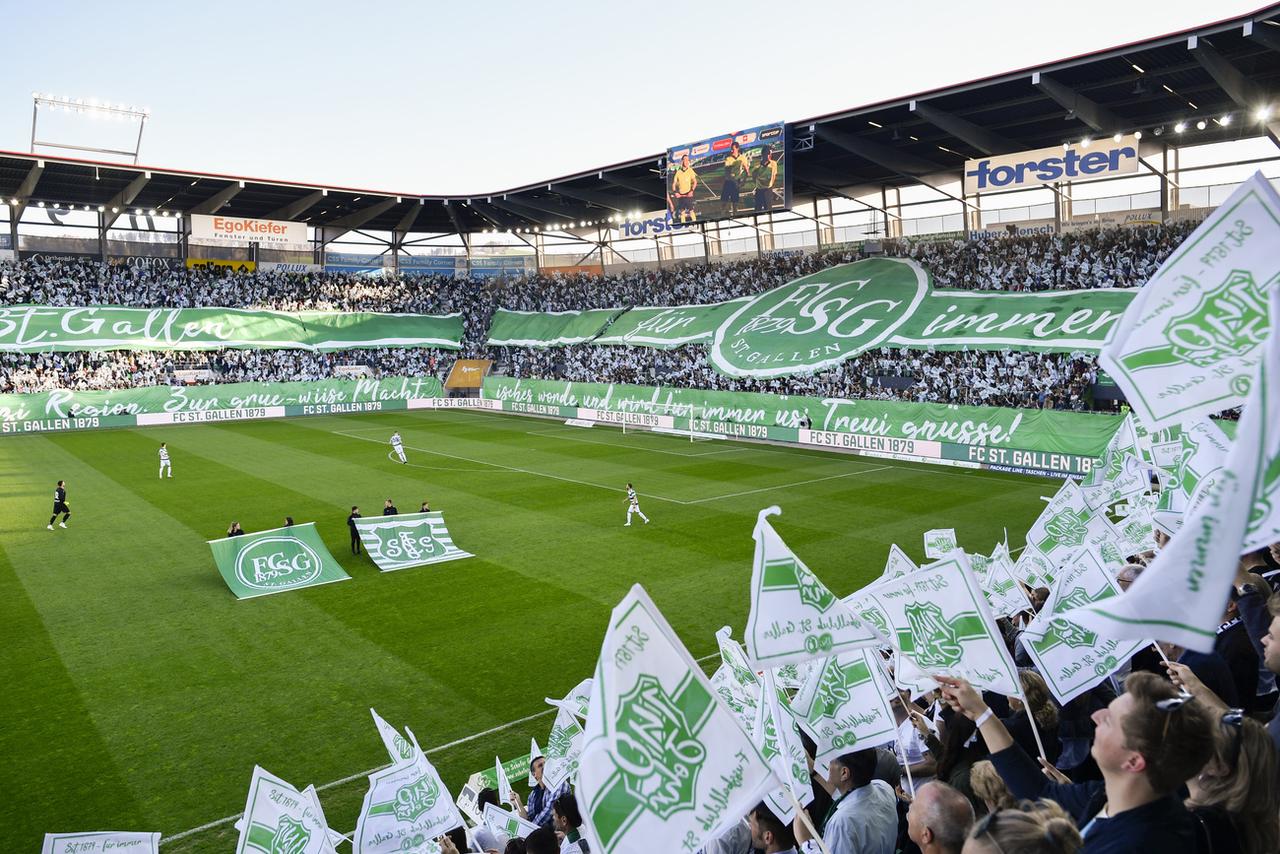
{"x": 94, "y": 109}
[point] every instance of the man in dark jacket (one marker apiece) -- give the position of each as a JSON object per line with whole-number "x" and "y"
{"x": 1149, "y": 741}
{"x": 355, "y": 534}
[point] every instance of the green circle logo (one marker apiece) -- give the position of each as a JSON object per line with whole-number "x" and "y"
{"x": 274, "y": 563}
{"x": 820, "y": 320}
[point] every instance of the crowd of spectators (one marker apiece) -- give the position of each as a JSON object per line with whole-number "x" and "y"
{"x": 1176, "y": 752}
{"x": 100, "y": 370}
{"x": 990, "y": 378}
{"x": 1117, "y": 257}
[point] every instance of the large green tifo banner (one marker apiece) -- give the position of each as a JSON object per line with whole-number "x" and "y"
{"x": 135, "y": 407}
{"x": 818, "y": 321}
{"x": 27, "y": 328}
{"x": 274, "y": 561}
{"x": 408, "y": 539}
{"x": 547, "y": 328}
{"x": 1003, "y": 439}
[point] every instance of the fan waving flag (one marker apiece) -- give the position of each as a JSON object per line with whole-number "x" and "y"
{"x": 794, "y": 617}
{"x": 940, "y": 620}
{"x": 666, "y": 767}
{"x": 1073, "y": 659}
{"x": 1181, "y": 596}
{"x": 779, "y": 741}
{"x": 844, "y": 706}
{"x": 1189, "y": 342}
{"x": 564, "y": 749}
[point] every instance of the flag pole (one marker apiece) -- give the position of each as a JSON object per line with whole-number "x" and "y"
{"x": 1035, "y": 730}
{"x": 804, "y": 818}
{"x": 902, "y": 755}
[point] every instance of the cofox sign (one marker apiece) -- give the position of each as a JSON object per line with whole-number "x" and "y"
{"x": 1051, "y": 165}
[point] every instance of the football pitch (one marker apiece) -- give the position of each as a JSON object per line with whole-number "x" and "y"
{"x": 139, "y": 693}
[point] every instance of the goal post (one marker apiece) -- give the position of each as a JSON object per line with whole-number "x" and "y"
{"x": 673, "y": 419}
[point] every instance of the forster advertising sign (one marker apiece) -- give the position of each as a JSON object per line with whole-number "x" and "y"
{"x": 1100, "y": 159}
{"x": 217, "y": 230}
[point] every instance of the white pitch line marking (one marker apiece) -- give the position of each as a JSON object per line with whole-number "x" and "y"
{"x": 559, "y": 435}
{"x": 352, "y": 777}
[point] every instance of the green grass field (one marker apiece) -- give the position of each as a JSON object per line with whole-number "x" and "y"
{"x": 139, "y": 693}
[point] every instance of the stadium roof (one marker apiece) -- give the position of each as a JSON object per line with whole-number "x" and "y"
{"x": 1228, "y": 67}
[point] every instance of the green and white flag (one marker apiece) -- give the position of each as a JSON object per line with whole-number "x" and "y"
{"x": 1124, "y": 477}
{"x": 534, "y": 752}
{"x": 999, "y": 584}
{"x": 274, "y": 561}
{"x": 1135, "y": 525}
{"x": 576, "y": 700}
{"x": 506, "y": 824}
{"x": 408, "y": 539}
{"x": 737, "y": 677}
{"x": 665, "y": 767}
{"x": 1181, "y": 596}
{"x": 898, "y": 564}
{"x": 939, "y": 542}
{"x": 1264, "y": 521}
{"x": 844, "y": 705}
{"x": 564, "y": 749}
{"x": 1071, "y": 658}
{"x": 547, "y": 328}
{"x": 1123, "y": 441}
{"x": 406, "y": 809}
{"x": 941, "y": 621}
{"x": 1065, "y": 525}
{"x": 1190, "y": 342}
{"x": 398, "y": 747}
{"x": 794, "y": 617}
{"x": 768, "y": 736}
{"x": 1198, "y": 453}
{"x": 278, "y": 819}
{"x": 791, "y": 763}
{"x": 741, "y": 705}
{"x": 503, "y": 786}
{"x": 94, "y": 842}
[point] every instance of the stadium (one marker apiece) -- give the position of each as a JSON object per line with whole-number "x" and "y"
{"x": 958, "y": 411}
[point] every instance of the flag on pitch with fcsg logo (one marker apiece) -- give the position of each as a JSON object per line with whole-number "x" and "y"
{"x": 408, "y": 539}
{"x": 274, "y": 561}
{"x": 665, "y": 766}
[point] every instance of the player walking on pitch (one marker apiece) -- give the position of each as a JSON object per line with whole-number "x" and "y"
{"x": 164, "y": 460}
{"x": 60, "y": 505}
{"x": 633, "y": 506}
{"x": 398, "y": 444}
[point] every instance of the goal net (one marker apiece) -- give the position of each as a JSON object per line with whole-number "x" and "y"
{"x": 674, "y": 419}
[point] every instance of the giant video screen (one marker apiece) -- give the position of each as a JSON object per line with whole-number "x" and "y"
{"x": 731, "y": 175}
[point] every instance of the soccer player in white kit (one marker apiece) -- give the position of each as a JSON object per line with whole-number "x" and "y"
{"x": 633, "y": 506}
{"x": 164, "y": 460}
{"x": 397, "y": 444}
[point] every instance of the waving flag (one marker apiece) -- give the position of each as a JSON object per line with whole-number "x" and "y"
{"x": 406, "y": 808}
{"x": 277, "y": 817}
{"x": 844, "y": 706}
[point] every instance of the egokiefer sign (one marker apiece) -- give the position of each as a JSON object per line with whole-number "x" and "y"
{"x": 1102, "y": 158}
{"x": 220, "y": 230}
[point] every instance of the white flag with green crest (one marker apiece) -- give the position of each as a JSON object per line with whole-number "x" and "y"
{"x": 1189, "y": 343}
{"x": 1071, "y": 658}
{"x": 534, "y": 752}
{"x": 897, "y": 564}
{"x": 1197, "y": 461}
{"x": 794, "y": 617}
{"x": 1064, "y": 526}
{"x": 1181, "y": 596}
{"x": 505, "y": 824}
{"x": 939, "y": 542}
{"x": 1004, "y": 594}
{"x": 776, "y": 736}
{"x": 564, "y": 749}
{"x": 398, "y": 747}
{"x": 576, "y": 700}
{"x": 844, "y": 705}
{"x": 406, "y": 808}
{"x": 666, "y": 767}
{"x": 940, "y": 619}
{"x": 278, "y": 818}
{"x": 504, "y": 786}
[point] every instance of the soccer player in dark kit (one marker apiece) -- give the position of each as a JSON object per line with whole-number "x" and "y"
{"x": 60, "y": 505}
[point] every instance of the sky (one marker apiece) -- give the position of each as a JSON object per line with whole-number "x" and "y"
{"x": 472, "y": 97}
